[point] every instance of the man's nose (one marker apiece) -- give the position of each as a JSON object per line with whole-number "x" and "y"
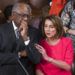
{"x": 25, "y": 19}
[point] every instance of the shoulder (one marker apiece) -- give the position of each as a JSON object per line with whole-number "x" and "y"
{"x": 2, "y": 26}
{"x": 66, "y": 40}
{"x": 5, "y": 27}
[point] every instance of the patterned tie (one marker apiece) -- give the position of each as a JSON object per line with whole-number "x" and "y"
{"x": 17, "y": 33}
{"x": 19, "y": 37}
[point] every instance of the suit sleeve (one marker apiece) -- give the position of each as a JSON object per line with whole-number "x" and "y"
{"x": 33, "y": 53}
{"x": 6, "y": 57}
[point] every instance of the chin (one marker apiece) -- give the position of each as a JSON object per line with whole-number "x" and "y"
{"x": 50, "y": 36}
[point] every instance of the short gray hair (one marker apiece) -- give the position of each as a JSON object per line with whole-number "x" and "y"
{"x": 17, "y": 6}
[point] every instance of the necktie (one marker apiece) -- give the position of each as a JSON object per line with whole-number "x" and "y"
{"x": 17, "y": 33}
{"x": 18, "y": 36}
{"x": 19, "y": 40}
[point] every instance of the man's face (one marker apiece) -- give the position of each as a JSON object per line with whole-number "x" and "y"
{"x": 21, "y": 15}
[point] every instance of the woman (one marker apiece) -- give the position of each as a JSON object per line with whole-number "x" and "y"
{"x": 56, "y": 50}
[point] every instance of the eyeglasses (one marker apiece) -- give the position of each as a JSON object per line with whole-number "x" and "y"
{"x": 23, "y": 15}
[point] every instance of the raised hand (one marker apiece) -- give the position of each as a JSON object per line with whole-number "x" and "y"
{"x": 24, "y": 29}
{"x": 42, "y": 51}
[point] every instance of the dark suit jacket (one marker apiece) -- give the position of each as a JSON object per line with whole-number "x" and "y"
{"x": 9, "y": 47}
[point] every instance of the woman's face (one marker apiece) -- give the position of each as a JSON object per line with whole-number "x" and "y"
{"x": 49, "y": 29}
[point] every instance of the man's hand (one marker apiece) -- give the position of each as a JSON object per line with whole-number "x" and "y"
{"x": 22, "y": 53}
{"x": 24, "y": 29}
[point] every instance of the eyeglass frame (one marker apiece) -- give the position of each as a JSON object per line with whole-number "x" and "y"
{"x": 23, "y": 15}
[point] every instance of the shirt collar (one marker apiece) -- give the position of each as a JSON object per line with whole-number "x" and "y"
{"x": 14, "y": 26}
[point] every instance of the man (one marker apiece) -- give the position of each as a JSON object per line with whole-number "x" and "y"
{"x": 17, "y": 41}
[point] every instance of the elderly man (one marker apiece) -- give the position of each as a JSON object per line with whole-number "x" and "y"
{"x": 17, "y": 40}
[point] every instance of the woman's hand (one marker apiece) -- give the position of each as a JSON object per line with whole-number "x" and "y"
{"x": 42, "y": 51}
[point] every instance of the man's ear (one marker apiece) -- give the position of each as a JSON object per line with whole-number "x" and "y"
{"x": 12, "y": 16}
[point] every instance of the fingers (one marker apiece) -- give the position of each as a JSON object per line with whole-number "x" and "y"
{"x": 23, "y": 29}
{"x": 38, "y": 46}
{"x": 22, "y": 53}
{"x": 23, "y": 25}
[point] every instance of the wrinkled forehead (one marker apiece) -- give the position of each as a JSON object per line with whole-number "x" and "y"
{"x": 24, "y": 10}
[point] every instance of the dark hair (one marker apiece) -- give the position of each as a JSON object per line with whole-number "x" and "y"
{"x": 8, "y": 11}
{"x": 57, "y": 24}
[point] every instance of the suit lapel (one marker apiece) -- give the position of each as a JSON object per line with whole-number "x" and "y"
{"x": 11, "y": 32}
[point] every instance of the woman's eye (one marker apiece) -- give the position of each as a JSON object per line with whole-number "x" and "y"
{"x": 45, "y": 26}
{"x": 51, "y": 26}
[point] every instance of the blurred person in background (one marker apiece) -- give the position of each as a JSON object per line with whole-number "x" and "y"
{"x": 68, "y": 18}
{"x": 56, "y": 7}
{"x": 7, "y": 12}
